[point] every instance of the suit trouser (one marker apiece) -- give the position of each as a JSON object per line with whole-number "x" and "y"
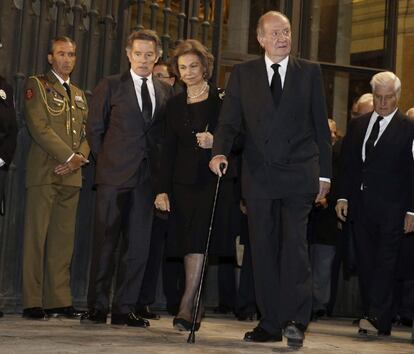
{"x": 153, "y": 266}
{"x": 378, "y": 228}
{"x": 281, "y": 266}
{"x": 321, "y": 259}
{"x": 49, "y": 233}
{"x": 123, "y": 217}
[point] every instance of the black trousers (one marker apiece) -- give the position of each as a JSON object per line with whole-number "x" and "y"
{"x": 123, "y": 216}
{"x": 152, "y": 269}
{"x": 378, "y": 229}
{"x": 281, "y": 266}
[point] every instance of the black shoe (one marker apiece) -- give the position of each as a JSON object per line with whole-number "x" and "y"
{"x": 295, "y": 334}
{"x": 35, "y": 313}
{"x": 246, "y": 313}
{"x": 382, "y": 333}
{"x": 261, "y": 335}
{"x": 245, "y": 316}
{"x": 94, "y": 316}
{"x": 173, "y": 309}
{"x": 67, "y": 312}
{"x": 362, "y": 332}
{"x": 145, "y": 312}
{"x": 129, "y": 319}
{"x": 369, "y": 324}
{"x": 316, "y": 315}
{"x": 1, "y": 314}
{"x": 223, "y": 309}
{"x": 183, "y": 325}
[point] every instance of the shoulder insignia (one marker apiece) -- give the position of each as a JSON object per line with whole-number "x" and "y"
{"x": 29, "y": 94}
{"x": 221, "y": 93}
{"x": 3, "y": 94}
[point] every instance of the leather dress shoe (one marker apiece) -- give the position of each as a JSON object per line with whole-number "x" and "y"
{"x": 34, "y": 313}
{"x": 382, "y": 333}
{"x": 67, "y": 312}
{"x": 362, "y": 332}
{"x": 145, "y": 312}
{"x": 261, "y": 335}
{"x": 295, "y": 334}
{"x": 93, "y": 316}
{"x": 183, "y": 325}
{"x": 129, "y": 319}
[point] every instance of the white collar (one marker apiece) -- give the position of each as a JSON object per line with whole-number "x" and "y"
{"x": 138, "y": 78}
{"x": 60, "y": 79}
{"x": 283, "y": 63}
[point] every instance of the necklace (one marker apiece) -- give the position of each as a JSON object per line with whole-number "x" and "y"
{"x": 198, "y": 94}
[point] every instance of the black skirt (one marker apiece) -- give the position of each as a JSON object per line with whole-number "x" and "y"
{"x": 191, "y": 210}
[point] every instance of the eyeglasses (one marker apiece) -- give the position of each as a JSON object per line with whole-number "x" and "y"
{"x": 161, "y": 76}
{"x": 280, "y": 33}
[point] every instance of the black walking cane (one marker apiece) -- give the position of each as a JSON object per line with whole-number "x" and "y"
{"x": 191, "y": 336}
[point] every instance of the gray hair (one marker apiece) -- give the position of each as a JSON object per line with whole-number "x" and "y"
{"x": 259, "y": 28}
{"x": 385, "y": 78}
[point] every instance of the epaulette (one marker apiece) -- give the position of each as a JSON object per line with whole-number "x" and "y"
{"x": 221, "y": 93}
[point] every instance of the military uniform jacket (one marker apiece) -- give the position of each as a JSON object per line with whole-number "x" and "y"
{"x": 57, "y": 127}
{"x": 8, "y": 125}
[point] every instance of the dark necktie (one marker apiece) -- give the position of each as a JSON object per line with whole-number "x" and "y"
{"x": 276, "y": 85}
{"x": 67, "y": 88}
{"x": 146, "y": 101}
{"x": 369, "y": 145}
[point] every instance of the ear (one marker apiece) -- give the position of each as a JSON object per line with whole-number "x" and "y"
{"x": 50, "y": 58}
{"x": 260, "y": 39}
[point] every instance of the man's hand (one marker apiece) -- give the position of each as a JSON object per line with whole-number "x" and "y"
{"x": 324, "y": 188}
{"x": 322, "y": 203}
{"x": 162, "y": 202}
{"x": 341, "y": 209}
{"x": 205, "y": 140}
{"x": 408, "y": 223}
{"x": 76, "y": 162}
{"x": 215, "y": 163}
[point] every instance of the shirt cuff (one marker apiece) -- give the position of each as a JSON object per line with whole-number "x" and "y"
{"x": 324, "y": 179}
{"x": 342, "y": 200}
{"x": 2, "y": 162}
{"x": 70, "y": 158}
{"x": 410, "y": 212}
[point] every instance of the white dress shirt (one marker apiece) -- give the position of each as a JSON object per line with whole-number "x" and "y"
{"x": 138, "y": 84}
{"x": 282, "y": 69}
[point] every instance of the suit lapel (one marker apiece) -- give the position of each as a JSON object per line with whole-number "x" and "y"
{"x": 130, "y": 94}
{"x": 278, "y": 116}
{"x": 386, "y": 136}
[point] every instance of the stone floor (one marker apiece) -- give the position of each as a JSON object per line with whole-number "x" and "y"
{"x": 218, "y": 334}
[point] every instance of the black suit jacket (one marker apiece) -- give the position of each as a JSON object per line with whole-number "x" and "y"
{"x": 117, "y": 134}
{"x": 286, "y": 149}
{"x": 8, "y": 124}
{"x": 388, "y": 173}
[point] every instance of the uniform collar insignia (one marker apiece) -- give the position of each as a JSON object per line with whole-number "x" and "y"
{"x": 3, "y": 94}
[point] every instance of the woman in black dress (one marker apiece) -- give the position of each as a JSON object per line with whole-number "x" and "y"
{"x": 187, "y": 185}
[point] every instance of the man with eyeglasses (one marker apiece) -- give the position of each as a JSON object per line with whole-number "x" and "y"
{"x": 280, "y": 103}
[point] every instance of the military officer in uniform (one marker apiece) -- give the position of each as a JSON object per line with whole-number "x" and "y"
{"x": 56, "y": 113}
{"x": 8, "y": 134}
